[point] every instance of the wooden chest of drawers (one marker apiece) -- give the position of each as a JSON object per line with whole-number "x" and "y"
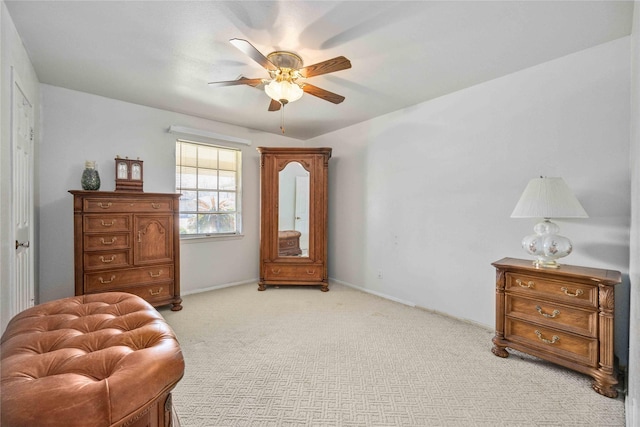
{"x": 562, "y": 315}
{"x": 128, "y": 242}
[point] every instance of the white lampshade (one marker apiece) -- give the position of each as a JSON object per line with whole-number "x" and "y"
{"x": 548, "y": 198}
{"x": 283, "y": 91}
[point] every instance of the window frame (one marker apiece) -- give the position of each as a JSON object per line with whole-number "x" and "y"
{"x": 238, "y": 189}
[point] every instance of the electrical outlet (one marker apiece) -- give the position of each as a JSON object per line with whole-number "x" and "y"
{"x": 379, "y": 274}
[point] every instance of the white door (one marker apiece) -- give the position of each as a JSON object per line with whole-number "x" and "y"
{"x": 23, "y": 289}
{"x": 302, "y": 212}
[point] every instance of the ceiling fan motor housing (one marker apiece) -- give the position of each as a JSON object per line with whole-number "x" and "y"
{"x": 283, "y": 59}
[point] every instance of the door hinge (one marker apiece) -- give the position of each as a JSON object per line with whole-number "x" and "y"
{"x": 31, "y": 134}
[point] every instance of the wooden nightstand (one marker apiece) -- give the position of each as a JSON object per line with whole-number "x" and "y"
{"x": 562, "y": 315}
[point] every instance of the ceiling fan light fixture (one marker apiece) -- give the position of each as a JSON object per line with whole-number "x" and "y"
{"x": 283, "y": 91}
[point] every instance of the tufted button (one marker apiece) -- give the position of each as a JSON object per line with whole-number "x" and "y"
{"x": 86, "y": 360}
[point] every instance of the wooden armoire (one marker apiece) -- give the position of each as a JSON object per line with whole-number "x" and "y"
{"x": 128, "y": 242}
{"x": 293, "y": 216}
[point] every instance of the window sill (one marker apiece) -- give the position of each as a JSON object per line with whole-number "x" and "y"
{"x": 210, "y": 238}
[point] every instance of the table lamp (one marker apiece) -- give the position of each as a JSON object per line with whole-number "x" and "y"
{"x": 547, "y": 198}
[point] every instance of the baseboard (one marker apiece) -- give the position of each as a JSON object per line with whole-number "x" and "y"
{"x": 224, "y": 285}
{"x": 410, "y": 304}
{"x": 369, "y": 291}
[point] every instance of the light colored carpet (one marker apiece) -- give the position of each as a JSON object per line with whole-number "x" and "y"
{"x": 295, "y": 356}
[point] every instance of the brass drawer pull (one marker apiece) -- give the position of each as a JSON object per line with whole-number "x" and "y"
{"x": 106, "y": 261}
{"x": 155, "y": 205}
{"x": 311, "y": 272}
{"x": 113, "y": 240}
{"x": 529, "y": 284}
{"x": 547, "y": 315}
{"x": 554, "y": 339}
{"x": 274, "y": 271}
{"x": 576, "y": 294}
{"x": 104, "y": 206}
{"x": 104, "y": 224}
{"x": 155, "y": 275}
{"x": 156, "y": 292}
{"x": 104, "y": 282}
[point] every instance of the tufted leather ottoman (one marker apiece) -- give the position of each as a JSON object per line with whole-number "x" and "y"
{"x": 95, "y": 360}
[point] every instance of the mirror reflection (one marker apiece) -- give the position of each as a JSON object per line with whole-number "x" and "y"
{"x": 293, "y": 211}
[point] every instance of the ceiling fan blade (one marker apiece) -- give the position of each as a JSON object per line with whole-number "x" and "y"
{"x": 323, "y": 94}
{"x": 240, "y": 81}
{"x": 253, "y": 53}
{"x": 324, "y": 67}
{"x": 274, "y": 105}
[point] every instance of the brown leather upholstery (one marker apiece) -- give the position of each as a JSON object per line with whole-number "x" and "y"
{"x": 91, "y": 360}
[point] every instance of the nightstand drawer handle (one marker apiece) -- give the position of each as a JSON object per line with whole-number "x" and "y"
{"x": 113, "y": 240}
{"x": 576, "y": 294}
{"x": 554, "y": 339}
{"x": 156, "y": 292}
{"x": 311, "y": 272}
{"x": 104, "y": 206}
{"x": 547, "y": 315}
{"x": 274, "y": 271}
{"x": 104, "y": 224}
{"x": 155, "y": 205}
{"x": 104, "y": 282}
{"x": 529, "y": 284}
{"x": 155, "y": 275}
{"x": 106, "y": 261}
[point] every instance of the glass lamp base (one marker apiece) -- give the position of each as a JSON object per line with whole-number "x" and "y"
{"x": 542, "y": 263}
{"x": 546, "y": 245}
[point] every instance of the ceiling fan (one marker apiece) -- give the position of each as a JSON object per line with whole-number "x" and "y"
{"x": 285, "y": 69}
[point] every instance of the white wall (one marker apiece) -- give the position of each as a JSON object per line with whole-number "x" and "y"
{"x": 633, "y": 397}
{"x": 425, "y": 194}
{"x": 14, "y": 63}
{"x": 78, "y": 127}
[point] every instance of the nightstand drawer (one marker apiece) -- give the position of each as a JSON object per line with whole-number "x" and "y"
{"x": 573, "y": 293}
{"x": 576, "y": 320}
{"x": 563, "y": 344}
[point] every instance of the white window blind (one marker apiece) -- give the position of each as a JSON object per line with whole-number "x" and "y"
{"x": 208, "y": 177}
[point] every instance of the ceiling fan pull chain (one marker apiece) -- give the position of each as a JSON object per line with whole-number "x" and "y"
{"x": 282, "y": 118}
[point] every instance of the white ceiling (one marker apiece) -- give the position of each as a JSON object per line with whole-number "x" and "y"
{"x": 163, "y": 53}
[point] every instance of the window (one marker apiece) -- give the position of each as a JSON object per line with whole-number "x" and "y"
{"x": 208, "y": 177}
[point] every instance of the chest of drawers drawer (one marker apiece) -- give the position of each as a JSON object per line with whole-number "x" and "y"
{"x": 106, "y": 241}
{"x": 124, "y": 278}
{"x": 106, "y": 260}
{"x": 106, "y": 223}
{"x": 107, "y": 205}
{"x": 152, "y": 292}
